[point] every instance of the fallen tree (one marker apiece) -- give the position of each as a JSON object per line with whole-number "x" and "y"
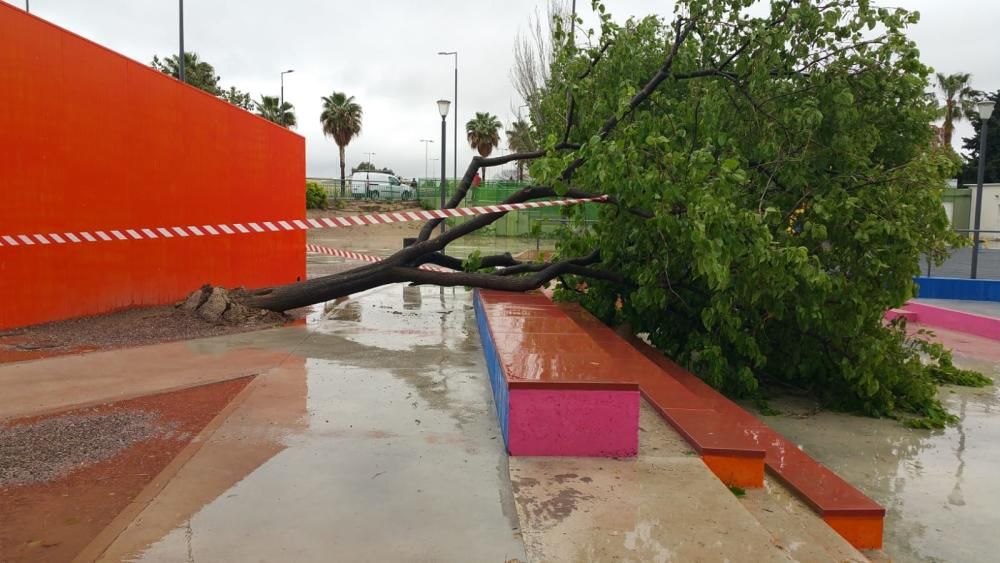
{"x": 771, "y": 185}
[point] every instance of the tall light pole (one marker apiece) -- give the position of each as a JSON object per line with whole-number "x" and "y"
{"x": 455, "y": 163}
{"x": 425, "y": 142}
{"x": 443, "y": 106}
{"x": 289, "y": 71}
{"x": 985, "y": 111}
{"x": 27, "y": 6}
{"x": 180, "y": 60}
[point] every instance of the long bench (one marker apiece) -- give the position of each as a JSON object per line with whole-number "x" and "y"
{"x": 544, "y": 346}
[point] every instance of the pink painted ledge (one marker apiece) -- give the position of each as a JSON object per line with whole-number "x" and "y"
{"x": 573, "y": 422}
{"x": 951, "y": 319}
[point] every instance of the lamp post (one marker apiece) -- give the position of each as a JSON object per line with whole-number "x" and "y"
{"x": 180, "y": 60}
{"x": 368, "y": 175}
{"x": 289, "y": 71}
{"x": 443, "y": 106}
{"x": 27, "y": 6}
{"x": 985, "y": 111}
{"x": 425, "y": 142}
{"x": 455, "y": 163}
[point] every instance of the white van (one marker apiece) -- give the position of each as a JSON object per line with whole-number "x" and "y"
{"x": 379, "y": 185}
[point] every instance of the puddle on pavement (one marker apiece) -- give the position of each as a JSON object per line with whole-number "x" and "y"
{"x": 940, "y": 487}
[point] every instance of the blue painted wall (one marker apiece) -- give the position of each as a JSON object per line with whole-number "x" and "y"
{"x": 956, "y": 288}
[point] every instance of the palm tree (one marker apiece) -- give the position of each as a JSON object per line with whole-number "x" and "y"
{"x": 958, "y": 100}
{"x": 483, "y": 133}
{"x": 341, "y": 119}
{"x": 521, "y": 138}
{"x": 197, "y": 72}
{"x": 272, "y": 110}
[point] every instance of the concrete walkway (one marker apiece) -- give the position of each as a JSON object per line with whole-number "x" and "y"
{"x": 368, "y": 435}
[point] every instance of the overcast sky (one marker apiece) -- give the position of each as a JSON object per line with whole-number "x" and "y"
{"x": 383, "y": 52}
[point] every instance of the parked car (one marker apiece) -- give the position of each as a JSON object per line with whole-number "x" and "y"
{"x": 379, "y": 185}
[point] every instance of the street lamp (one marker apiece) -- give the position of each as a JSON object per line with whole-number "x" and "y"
{"x": 289, "y": 71}
{"x": 443, "y": 106}
{"x": 425, "y": 141}
{"x": 180, "y": 60}
{"x": 985, "y": 109}
{"x": 454, "y": 164}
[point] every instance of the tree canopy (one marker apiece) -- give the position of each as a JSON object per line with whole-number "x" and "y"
{"x": 197, "y": 72}
{"x": 273, "y": 110}
{"x": 341, "y": 119}
{"x": 787, "y": 163}
{"x": 958, "y": 100}
{"x": 521, "y": 138}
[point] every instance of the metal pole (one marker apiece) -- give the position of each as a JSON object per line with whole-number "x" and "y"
{"x": 455, "y": 163}
{"x": 444, "y": 165}
{"x": 180, "y": 60}
{"x": 425, "y": 142}
{"x": 979, "y": 197}
{"x": 282, "y": 90}
{"x": 27, "y": 6}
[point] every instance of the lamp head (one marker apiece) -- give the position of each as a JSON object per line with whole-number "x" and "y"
{"x": 985, "y": 109}
{"x": 443, "y": 106}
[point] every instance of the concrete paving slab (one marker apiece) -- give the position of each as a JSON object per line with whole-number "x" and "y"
{"x": 363, "y": 445}
{"x": 796, "y": 527}
{"x": 664, "y": 505}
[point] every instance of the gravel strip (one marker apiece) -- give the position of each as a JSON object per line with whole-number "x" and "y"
{"x": 54, "y": 447}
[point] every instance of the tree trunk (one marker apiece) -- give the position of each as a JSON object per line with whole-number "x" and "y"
{"x": 342, "y": 190}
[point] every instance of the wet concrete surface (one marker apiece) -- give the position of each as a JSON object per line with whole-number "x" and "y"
{"x": 663, "y": 505}
{"x": 940, "y": 487}
{"x": 364, "y": 444}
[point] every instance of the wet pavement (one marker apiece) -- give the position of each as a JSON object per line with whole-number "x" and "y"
{"x": 663, "y": 505}
{"x": 940, "y": 487}
{"x": 369, "y": 435}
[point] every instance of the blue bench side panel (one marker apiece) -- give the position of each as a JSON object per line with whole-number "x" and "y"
{"x": 497, "y": 380}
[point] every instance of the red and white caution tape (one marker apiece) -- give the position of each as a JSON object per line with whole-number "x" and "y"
{"x": 276, "y": 226}
{"x": 351, "y": 255}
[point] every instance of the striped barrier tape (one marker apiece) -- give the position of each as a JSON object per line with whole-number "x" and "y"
{"x": 276, "y": 226}
{"x": 351, "y": 255}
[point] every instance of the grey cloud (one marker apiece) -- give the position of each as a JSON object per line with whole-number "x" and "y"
{"x": 384, "y": 53}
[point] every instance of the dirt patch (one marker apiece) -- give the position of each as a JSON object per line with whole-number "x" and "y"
{"x": 121, "y": 329}
{"x": 130, "y": 442}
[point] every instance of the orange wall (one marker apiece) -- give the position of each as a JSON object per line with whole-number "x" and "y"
{"x": 91, "y": 140}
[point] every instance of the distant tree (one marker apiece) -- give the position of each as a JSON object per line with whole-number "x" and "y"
{"x": 521, "y": 138}
{"x": 197, "y": 72}
{"x": 364, "y": 167}
{"x": 533, "y": 54}
{"x": 272, "y": 110}
{"x": 238, "y": 98}
{"x": 483, "y": 134}
{"x": 341, "y": 119}
{"x": 971, "y": 147}
{"x": 958, "y": 96}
